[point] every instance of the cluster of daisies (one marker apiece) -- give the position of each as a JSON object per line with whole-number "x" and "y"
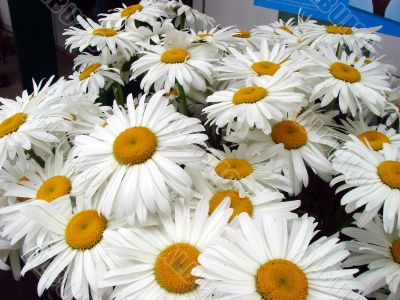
{"x": 188, "y": 188}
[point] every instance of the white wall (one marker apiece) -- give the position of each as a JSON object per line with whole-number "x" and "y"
{"x": 245, "y": 14}
{"x": 5, "y": 14}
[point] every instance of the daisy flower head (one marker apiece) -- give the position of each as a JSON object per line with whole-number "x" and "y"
{"x": 178, "y": 61}
{"x": 263, "y": 62}
{"x": 373, "y": 179}
{"x": 192, "y": 17}
{"x": 275, "y": 29}
{"x": 373, "y": 136}
{"x": 285, "y": 33}
{"x": 14, "y": 171}
{"x": 379, "y": 251}
{"x": 243, "y": 170}
{"x": 220, "y": 38}
{"x": 297, "y": 141}
{"x": 349, "y": 79}
{"x": 262, "y": 100}
{"x": 153, "y": 35}
{"x": 54, "y": 184}
{"x": 86, "y": 59}
{"x": 252, "y": 203}
{"x": 136, "y": 158}
{"x": 146, "y": 11}
{"x": 271, "y": 257}
{"x": 78, "y": 251}
{"x": 90, "y": 79}
{"x": 31, "y": 121}
{"x": 85, "y": 114}
{"x": 105, "y": 38}
{"x": 356, "y": 39}
{"x": 161, "y": 258}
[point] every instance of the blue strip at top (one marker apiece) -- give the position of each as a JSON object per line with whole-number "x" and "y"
{"x": 334, "y": 11}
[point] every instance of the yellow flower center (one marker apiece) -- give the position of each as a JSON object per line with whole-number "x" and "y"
{"x": 389, "y": 172}
{"x": 173, "y": 268}
{"x": 265, "y": 68}
{"x": 53, "y": 188}
{"x": 88, "y": 71}
{"x": 172, "y": 92}
{"x": 203, "y": 35}
{"x": 396, "y": 251}
{"x": 285, "y": 28}
{"x": 280, "y": 279}
{"x": 107, "y": 32}
{"x": 244, "y": 34}
{"x": 233, "y": 168}
{"x": 374, "y": 138}
{"x": 134, "y": 146}
{"x": 290, "y": 133}
{"x": 130, "y": 10}
{"x": 345, "y": 72}
{"x": 12, "y": 124}
{"x": 174, "y": 56}
{"x": 339, "y": 29}
{"x": 238, "y": 204}
{"x": 85, "y": 229}
{"x": 248, "y": 95}
{"x": 22, "y": 199}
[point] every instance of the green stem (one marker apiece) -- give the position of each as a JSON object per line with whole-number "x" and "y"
{"x": 36, "y": 158}
{"x": 182, "y": 21}
{"x": 102, "y": 97}
{"x": 183, "y": 107}
{"x": 118, "y": 94}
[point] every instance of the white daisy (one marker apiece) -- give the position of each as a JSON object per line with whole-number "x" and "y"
{"x": 221, "y": 38}
{"x": 270, "y": 257}
{"x": 14, "y": 171}
{"x": 352, "y": 82}
{"x": 373, "y": 178}
{"x": 86, "y": 59}
{"x": 136, "y": 157}
{"x": 192, "y": 17}
{"x": 53, "y": 184}
{"x": 285, "y": 33}
{"x": 243, "y": 170}
{"x": 297, "y": 142}
{"x": 264, "y": 61}
{"x": 374, "y": 136}
{"x": 253, "y": 203}
{"x": 79, "y": 247}
{"x": 380, "y": 251}
{"x": 92, "y": 78}
{"x": 161, "y": 259}
{"x": 31, "y": 121}
{"x": 356, "y": 39}
{"x": 262, "y": 100}
{"x": 273, "y": 30}
{"x": 152, "y": 35}
{"x": 104, "y": 38}
{"x": 85, "y": 113}
{"x": 178, "y": 61}
{"x": 147, "y": 11}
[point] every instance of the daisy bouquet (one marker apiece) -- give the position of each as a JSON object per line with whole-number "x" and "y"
{"x": 185, "y": 160}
